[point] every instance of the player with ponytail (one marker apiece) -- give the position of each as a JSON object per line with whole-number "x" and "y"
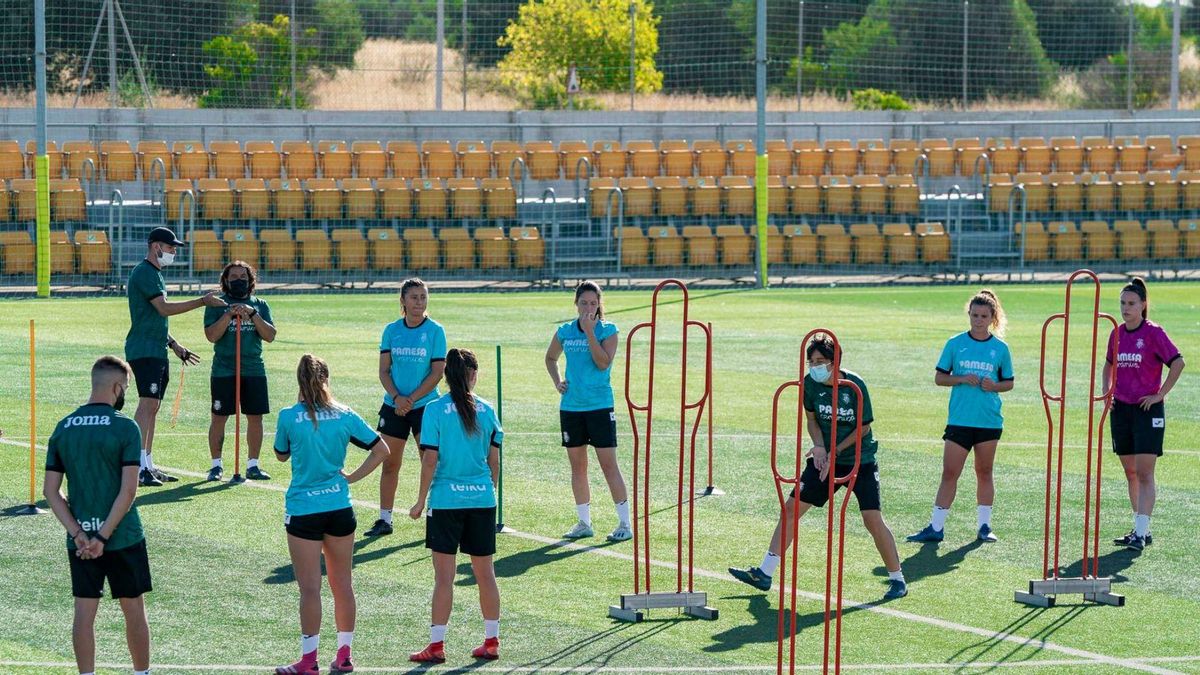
{"x": 977, "y": 366}
{"x": 1138, "y": 418}
{"x": 460, "y": 464}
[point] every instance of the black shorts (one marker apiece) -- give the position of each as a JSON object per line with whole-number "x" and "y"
{"x": 151, "y": 376}
{"x": 815, "y": 491}
{"x": 969, "y": 437}
{"x": 255, "y": 400}
{"x": 471, "y": 530}
{"x": 314, "y": 526}
{"x": 399, "y": 426}
{"x": 1136, "y": 431}
{"x": 127, "y": 571}
{"x": 597, "y": 428}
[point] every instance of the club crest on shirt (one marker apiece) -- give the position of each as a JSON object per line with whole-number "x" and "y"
{"x": 1141, "y": 343}
{"x": 846, "y": 397}
{"x": 424, "y": 337}
{"x": 992, "y": 353}
{"x": 153, "y": 387}
{"x": 217, "y": 405}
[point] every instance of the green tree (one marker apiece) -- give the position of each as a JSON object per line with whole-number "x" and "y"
{"x": 550, "y": 35}
{"x": 1077, "y": 33}
{"x": 336, "y": 27}
{"x": 251, "y": 68}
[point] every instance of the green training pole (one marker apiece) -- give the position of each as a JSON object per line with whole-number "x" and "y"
{"x": 760, "y": 217}
{"x": 41, "y": 164}
{"x": 760, "y": 166}
{"x": 500, "y": 418}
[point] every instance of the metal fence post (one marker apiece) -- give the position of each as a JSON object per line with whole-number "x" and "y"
{"x": 441, "y": 45}
{"x": 1177, "y": 18}
{"x": 800, "y": 59}
{"x": 965, "y": 42}
{"x": 292, "y": 28}
{"x": 632, "y": 50}
{"x": 1129, "y": 63}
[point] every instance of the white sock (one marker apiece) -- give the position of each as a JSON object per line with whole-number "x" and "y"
{"x": 437, "y": 633}
{"x": 385, "y": 515}
{"x": 252, "y": 463}
{"x": 1135, "y": 517}
{"x": 1141, "y": 525}
{"x": 491, "y": 628}
{"x": 938, "y": 519}
{"x": 91, "y": 673}
{"x": 217, "y": 463}
{"x": 345, "y": 638}
{"x": 623, "y": 513}
{"x": 584, "y": 512}
{"x": 142, "y": 672}
{"x": 146, "y": 459}
{"x": 898, "y": 575}
{"x": 309, "y": 644}
{"x": 770, "y": 563}
{"x": 985, "y": 515}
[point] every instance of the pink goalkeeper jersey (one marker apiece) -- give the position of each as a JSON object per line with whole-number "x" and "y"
{"x": 1141, "y": 354}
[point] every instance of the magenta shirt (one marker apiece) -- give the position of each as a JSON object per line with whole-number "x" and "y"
{"x": 1141, "y": 354}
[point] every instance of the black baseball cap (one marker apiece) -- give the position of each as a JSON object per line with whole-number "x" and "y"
{"x": 165, "y": 236}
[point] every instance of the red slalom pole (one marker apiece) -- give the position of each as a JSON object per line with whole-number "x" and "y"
{"x": 237, "y": 402}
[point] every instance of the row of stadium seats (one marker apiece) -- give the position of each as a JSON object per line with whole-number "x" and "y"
{"x": 1097, "y": 240}
{"x": 118, "y": 161}
{"x": 347, "y": 199}
{"x": 18, "y": 201}
{"x": 89, "y": 252}
{"x": 1123, "y": 191}
{"x": 734, "y": 195}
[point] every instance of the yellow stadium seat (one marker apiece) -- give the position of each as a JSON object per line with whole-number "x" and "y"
{"x": 1189, "y": 189}
{"x": 838, "y": 194}
{"x": 1067, "y": 154}
{"x": 704, "y": 195}
{"x": 876, "y": 157}
{"x": 609, "y": 159}
{"x": 779, "y": 158}
{"x": 458, "y": 248}
{"x": 1100, "y": 240}
{"x": 287, "y": 199}
{"x": 55, "y": 158}
{"x": 599, "y": 190}
{"x": 12, "y": 160}
{"x": 1189, "y": 147}
{"x": 701, "y": 245}
{"x": 635, "y": 248}
{"x": 95, "y": 253}
{"x": 672, "y": 197}
{"x": 253, "y": 200}
{"x": 1132, "y": 239}
{"x": 387, "y": 248}
{"x": 207, "y": 252}
{"x": 941, "y": 156}
{"x": 422, "y": 248}
{"x": 811, "y": 158}
{"x": 1036, "y": 155}
{"x": 742, "y": 157}
{"x": 1098, "y": 191}
{"x": 117, "y": 161}
{"x": 638, "y": 195}
{"x": 1037, "y": 192}
{"x": 1066, "y": 241}
{"x": 1100, "y": 153}
{"x": 361, "y": 199}
{"x": 191, "y": 161}
{"x": 264, "y": 160}
{"x": 324, "y": 198}
{"x": 800, "y": 244}
{"x": 80, "y": 153}
{"x": 5, "y": 204}
{"x": 172, "y": 198}
{"x": 395, "y": 199}
{"x": 905, "y": 155}
{"x": 777, "y": 196}
{"x": 1005, "y": 155}
{"x": 68, "y": 203}
{"x": 736, "y": 247}
{"x": 335, "y": 160}
{"x": 503, "y": 155}
{"x": 868, "y": 243}
{"x": 569, "y": 154}
{"x": 1164, "y": 239}
{"x": 805, "y": 195}
{"x": 843, "y": 157}
{"x": 1034, "y": 240}
{"x": 241, "y": 245}
{"x": 24, "y": 197}
{"x": 1066, "y": 190}
{"x": 439, "y": 159}
{"x": 711, "y": 158}
{"x": 644, "y": 160}
{"x": 836, "y": 244}
{"x": 228, "y": 160}
{"x": 933, "y": 242}
{"x": 368, "y": 159}
{"x": 737, "y": 194}
{"x": 1164, "y": 191}
{"x": 474, "y": 159}
{"x": 1189, "y": 232}
{"x": 967, "y": 152}
{"x": 1000, "y": 187}
{"x": 775, "y": 250}
{"x": 666, "y": 245}
{"x": 900, "y": 243}
{"x": 349, "y": 248}
{"x": 465, "y": 198}
{"x": 299, "y": 160}
{"x": 405, "y": 159}
{"x": 215, "y": 199}
{"x": 904, "y": 195}
{"x": 1163, "y": 156}
{"x": 870, "y": 194}
{"x": 542, "y": 160}
{"x": 1132, "y": 154}
{"x": 499, "y": 198}
{"x": 495, "y": 250}
{"x": 529, "y": 251}
{"x": 315, "y": 251}
{"x": 1131, "y": 191}
{"x": 17, "y": 252}
{"x": 278, "y": 249}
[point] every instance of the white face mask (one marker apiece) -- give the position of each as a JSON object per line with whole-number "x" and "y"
{"x": 165, "y": 258}
{"x": 820, "y": 373}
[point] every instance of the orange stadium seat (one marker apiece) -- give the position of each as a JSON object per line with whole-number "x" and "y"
{"x": 1034, "y": 241}
{"x": 228, "y": 160}
{"x": 1066, "y": 241}
{"x": 430, "y": 197}
{"x": 79, "y": 154}
{"x": 800, "y": 244}
{"x": 1067, "y": 154}
{"x": 704, "y": 195}
{"x": 458, "y": 248}
{"x": 711, "y": 158}
{"x": 1100, "y": 154}
{"x": 870, "y": 194}
{"x": 838, "y": 194}
{"x": 542, "y": 160}
{"x": 466, "y": 200}
{"x": 278, "y": 249}
{"x": 314, "y": 248}
{"x": 1131, "y": 191}
{"x": 899, "y": 243}
{"x": 677, "y": 158}
{"x": 811, "y": 158}
{"x": 95, "y": 252}
{"x": 779, "y": 158}
{"x": 1189, "y": 232}
{"x": 299, "y": 160}
{"x": 904, "y": 195}
{"x": 190, "y": 159}
{"x": 361, "y": 199}
{"x": 941, "y": 156}
{"x": 1132, "y": 239}
{"x": 499, "y": 198}
{"x": 967, "y": 152}
{"x": 252, "y": 199}
{"x": 335, "y": 160}
{"x": 287, "y": 199}
{"x": 324, "y": 198}
{"x": 474, "y": 159}
{"x": 609, "y": 159}
{"x": 933, "y": 242}
{"x": 670, "y": 192}
{"x": 906, "y": 153}
{"x": 1005, "y": 155}
{"x": 700, "y": 244}
{"x": 1098, "y": 191}
{"x": 423, "y": 250}
{"x": 805, "y": 195}
{"x": 836, "y": 244}
{"x": 742, "y": 157}
{"x": 240, "y": 244}
{"x": 638, "y": 196}
{"x": 666, "y": 245}
{"x": 737, "y": 195}
{"x": 504, "y": 154}
{"x": 868, "y": 242}
{"x": 570, "y": 153}
{"x": 387, "y": 248}
{"x": 634, "y": 247}
{"x": 117, "y": 161}
{"x": 1100, "y": 240}
{"x": 1066, "y": 190}
{"x": 439, "y": 159}
{"x": 264, "y": 160}
{"x": 12, "y": 160}
{"x": 395, "y": 199}
{"x": 495, "y": 250}
{"x": 68, "y": 203}
{"x": 876, "y": 157}
{"x": 349, "y": 248}
{"x": 369, "y": 159}
{"x": 777, "y": 196}
{"x": 843, "y": 157}
{"x": 215, "y": 199}
{"x": 404, "y": 158}
{"x": 1164, "y": 239}
{"x": 1164, "y": 191}
{"x": 1132, "y": 154}
{"x": 17, "y": 253}
{"x": 736, "y": 247}
{"x": 529, "y": 251}
{"x": 1036, "y": 156}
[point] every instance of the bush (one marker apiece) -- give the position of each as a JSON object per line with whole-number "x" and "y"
{"x": 252, "y": 67}
{"x": 874, "y": 99}
{"x": 1105, "y": 84}
{"x": 339, "y": 33}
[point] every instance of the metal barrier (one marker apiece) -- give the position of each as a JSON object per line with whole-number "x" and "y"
{"x": 582, "y": 161}
{"x": 116, "y": 224}
{"x": 619, "y": 195}
{"x": 956, "y": 224}
{"x": 188, "y": 198}
{"x": 1018, "y": 189}
{"x": 548, "y": 197}
{"x": 515, "y": 161}
{"x": 161, "y": 180}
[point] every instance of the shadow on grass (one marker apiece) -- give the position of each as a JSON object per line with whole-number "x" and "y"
{"x": 607, "y": 646}
{"x": 179, "y": 492}
{"x": 1112, "y": 564}
{"x": 927, "y": 563}
{"x": 284, "y": 574}
{"x": 765, "y": 624}
{"x": 19, "y": 510}
{"x": 987, "y": 647}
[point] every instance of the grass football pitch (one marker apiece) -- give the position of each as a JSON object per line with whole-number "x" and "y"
{"x": 225, "y": 600}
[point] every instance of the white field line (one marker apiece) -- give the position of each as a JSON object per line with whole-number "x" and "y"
{"x": 496, "y": 667}
{"x": 847, "y": 603}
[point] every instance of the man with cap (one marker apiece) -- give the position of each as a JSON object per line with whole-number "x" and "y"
{"x": 148, "y": 339}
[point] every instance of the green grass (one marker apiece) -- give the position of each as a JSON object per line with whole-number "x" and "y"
{"x": 223, "y": 591}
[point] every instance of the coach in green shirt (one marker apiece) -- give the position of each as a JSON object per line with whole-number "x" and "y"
{"x": 147, "y": 341}
{"x": 220, "y": 327}
{"x": 97, "y": 449}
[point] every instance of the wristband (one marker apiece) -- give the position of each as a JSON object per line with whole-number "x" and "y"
{"x": 171, "y": 342}
{"x": 102, "y": 539}
{"x": 77, "y": 533}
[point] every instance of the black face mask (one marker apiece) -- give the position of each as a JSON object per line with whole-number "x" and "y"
{"x": 239, "y": 288}
{"x": 120, "y": 402}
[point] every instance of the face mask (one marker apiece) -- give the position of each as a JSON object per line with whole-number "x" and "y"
{"x": 120, "y": 402}
{"x": 820, "y": 373}
{"x": 165, "y": 258}
{"x": 239, "y": 288}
